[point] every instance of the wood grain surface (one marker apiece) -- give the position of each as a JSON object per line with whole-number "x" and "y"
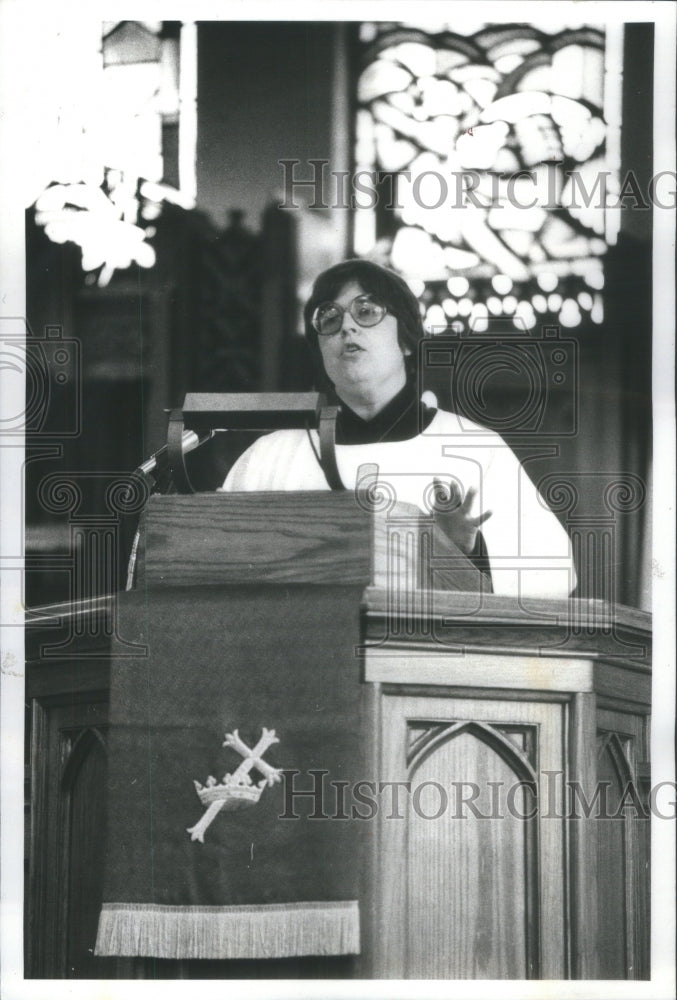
{"x": 462, "y": 897}
{"x": 477, "y": 621}
{"x": 241, "y": 538}
{"x": 308, "y": 537}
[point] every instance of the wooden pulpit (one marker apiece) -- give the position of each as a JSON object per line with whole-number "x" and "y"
{"x": 504, "y": 742}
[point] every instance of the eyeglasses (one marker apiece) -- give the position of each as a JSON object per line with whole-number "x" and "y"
{"x": 365, "y": 310}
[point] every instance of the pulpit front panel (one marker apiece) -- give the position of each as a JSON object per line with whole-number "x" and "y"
{"x": 471, "y": 878}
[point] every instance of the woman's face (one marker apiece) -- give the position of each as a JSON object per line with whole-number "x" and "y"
{"x": 358, "y": 357}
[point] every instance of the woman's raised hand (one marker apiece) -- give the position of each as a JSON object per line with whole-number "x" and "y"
{"x": 453, "y": 514}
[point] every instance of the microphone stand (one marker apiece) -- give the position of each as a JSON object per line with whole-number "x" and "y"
{"x": 158, "y": 474}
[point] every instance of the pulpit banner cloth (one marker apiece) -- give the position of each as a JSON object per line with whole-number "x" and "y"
{"x": 220, "y": 660}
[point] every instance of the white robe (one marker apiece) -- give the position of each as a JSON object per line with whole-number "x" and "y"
{"x": 529, "y": 550}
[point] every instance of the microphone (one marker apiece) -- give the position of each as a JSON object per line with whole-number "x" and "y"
{"x": 190, "y": 440}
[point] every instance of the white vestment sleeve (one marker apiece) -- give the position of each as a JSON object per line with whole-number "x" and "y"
{"x": 246, "y": 470}
{"x": 529, "y": 550}
{"x": 283, "y": 460}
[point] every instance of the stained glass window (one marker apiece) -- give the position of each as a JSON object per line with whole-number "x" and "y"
{"x": 125, "y": 146}
{"x": 493, "y": 151}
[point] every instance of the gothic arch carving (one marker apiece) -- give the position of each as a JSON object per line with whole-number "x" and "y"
{"x": 80, "y": 750}
{"x": 434, "y": 737}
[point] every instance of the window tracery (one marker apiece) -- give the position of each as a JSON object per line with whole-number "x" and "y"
{"x": 495, "y": 147}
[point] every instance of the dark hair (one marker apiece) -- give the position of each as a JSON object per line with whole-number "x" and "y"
{"x": 386, "y": 286}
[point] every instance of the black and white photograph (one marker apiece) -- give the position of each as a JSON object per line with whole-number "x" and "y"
{"x": 337, "y": 442}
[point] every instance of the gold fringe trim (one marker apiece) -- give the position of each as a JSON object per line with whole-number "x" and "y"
{"x": 280, "y": 930}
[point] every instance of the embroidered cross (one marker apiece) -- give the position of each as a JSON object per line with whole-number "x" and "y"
{"x": 236, "y": 790}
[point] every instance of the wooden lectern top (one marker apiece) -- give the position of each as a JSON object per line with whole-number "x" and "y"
{"x": 305, "y": 537}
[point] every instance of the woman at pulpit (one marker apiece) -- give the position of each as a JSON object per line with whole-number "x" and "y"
{"x": 363, "y": 327}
